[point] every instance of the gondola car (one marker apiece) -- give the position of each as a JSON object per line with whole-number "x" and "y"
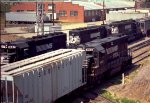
{"x": 21, "y": 49}
{"x": 106, "y": 57}
{"x": 129, "y": 27}
{"x": 83, "y": 35}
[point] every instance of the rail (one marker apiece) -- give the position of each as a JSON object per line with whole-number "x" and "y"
{"x": 139, "y": 46}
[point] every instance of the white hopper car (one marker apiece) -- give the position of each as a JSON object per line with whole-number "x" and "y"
{"x": 44, "y": 78}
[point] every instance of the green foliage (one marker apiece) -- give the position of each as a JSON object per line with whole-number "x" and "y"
{"x": 125, "y": 100}
{"x": 5, "y": 7}
{"x": 115, "y": 99}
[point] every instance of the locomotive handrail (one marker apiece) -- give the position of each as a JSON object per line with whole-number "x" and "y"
{"x": 32, "y": 60}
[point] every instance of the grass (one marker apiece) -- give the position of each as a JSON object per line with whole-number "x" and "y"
{"x": 115, "y": 99}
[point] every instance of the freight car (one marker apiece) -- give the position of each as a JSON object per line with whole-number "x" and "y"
{"x": 21, "y": 49}
{"x": 129, "y": 27}
{"x": 106, "y": 57}
{"x": 43, "y": 78}
{"x": 83, "y": 35}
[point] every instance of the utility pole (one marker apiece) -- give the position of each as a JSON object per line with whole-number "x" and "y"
{"x": 103, "y": 11}
{"x": 135, "y": 6}
{"x": 53, "y": 12}
{"x": 39, "y": 16}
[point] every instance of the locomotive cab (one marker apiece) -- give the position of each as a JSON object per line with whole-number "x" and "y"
{"x": 13, "y": 51}
{"x": 145, "y": 26}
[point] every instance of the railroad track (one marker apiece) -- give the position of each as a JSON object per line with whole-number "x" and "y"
{"x": 140, "y": 51}
{"x": 93, "y": 97}
{"x": 139, "y": 46}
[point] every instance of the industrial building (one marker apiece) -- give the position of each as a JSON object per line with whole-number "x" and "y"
{"x": 76, "y": 11}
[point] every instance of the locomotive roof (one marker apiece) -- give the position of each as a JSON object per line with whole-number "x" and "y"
{"x": 122, "y": 22}
{"x": 97, "y": 43}
{"x": 87, "y": 28}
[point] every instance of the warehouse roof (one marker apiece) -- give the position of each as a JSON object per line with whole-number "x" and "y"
{"x": 88, "y": 5}
{"x": 109, "y": 4}
{"x": 119, "y": 4}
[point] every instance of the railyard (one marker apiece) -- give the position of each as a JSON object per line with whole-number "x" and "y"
{"x": 77, "y": 62}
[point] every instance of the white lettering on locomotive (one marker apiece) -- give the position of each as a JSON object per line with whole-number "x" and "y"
{"x": 94, "y": 35}
{"x": 44, "y": 47}
{"x": 112, "y": 49}
{"x": 89, "y": 49}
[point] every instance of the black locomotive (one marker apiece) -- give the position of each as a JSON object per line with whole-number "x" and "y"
{"x": 106, "y": 57}
{"x": 83, "y": 35}
{"x": 21, "y": 49}
{"x": 130, "y": 28}
{"x": 134, "y": 29}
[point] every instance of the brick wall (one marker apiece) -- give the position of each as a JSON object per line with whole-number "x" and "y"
{"x": 66, "y": 6}
{"x": 63, "y": 6}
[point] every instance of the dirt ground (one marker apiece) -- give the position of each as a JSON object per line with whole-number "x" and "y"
{"x": 137, "y": 84}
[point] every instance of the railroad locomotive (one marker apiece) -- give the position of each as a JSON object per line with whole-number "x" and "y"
{"x": 144, "y": 26}
{"x": 83, "y": 35}
{"x": 106, "y": 57}
{"x": 22, "y": 49}
{"x": 130, "y": 28}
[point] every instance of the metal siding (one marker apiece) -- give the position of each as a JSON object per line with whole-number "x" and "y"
{"x": 35, "y": 86}
{"x": 30, "y": 89}
{"x": 123, "y": 16}
{"x": 54, "y": 79}
{"x": 76, "y": 71}
{"x": 59, "y": 81}
{"x": 70, "y": 73}
{"x": 54, "y": 84}
{"x": 16, "y": 16}
{"x": 25, "y": 87}
{"x": 46, "y": 85}
{"x": 73, "y": 71}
